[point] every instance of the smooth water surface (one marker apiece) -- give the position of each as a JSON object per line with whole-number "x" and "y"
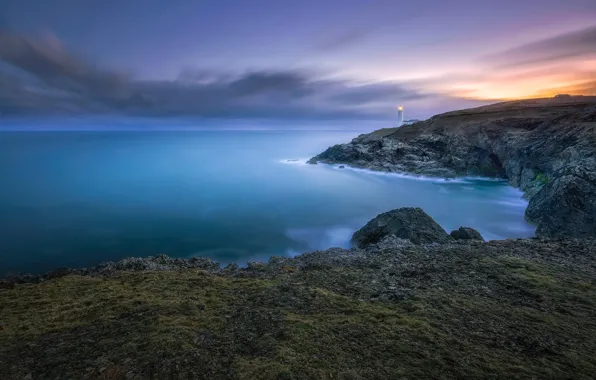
{"x": 80, "y": 198}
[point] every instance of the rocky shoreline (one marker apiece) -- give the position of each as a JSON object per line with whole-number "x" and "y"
{"x": 545, "y": 147}
{"x": 409, "y": 299}
{"x": 397, "y": 229}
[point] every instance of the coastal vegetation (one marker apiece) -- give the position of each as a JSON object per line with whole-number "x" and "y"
{"x": 467, "y": 309}
{"x": 542, "y": 178}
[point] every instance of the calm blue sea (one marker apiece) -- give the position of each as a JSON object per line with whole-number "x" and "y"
{"x": 80, "y": 198}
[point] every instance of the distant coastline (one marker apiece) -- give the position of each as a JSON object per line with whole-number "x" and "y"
{"x": 545, "y": 147}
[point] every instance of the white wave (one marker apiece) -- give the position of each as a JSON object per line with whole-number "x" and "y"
{"x": 483, "y": 179}
{"x": 322, "y": 237}
{"x": 411, "y": 176}
{"x": 339, "y": 236}
{"x": 294, "y": 161}
{"x": 403, "y": 175}
{"x": 218, "y": 252}
{"x": 292, "y": 252}
{"x": 516, "y": 203}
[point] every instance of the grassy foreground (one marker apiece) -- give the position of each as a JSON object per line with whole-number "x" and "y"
{"x": 476, "y": 316}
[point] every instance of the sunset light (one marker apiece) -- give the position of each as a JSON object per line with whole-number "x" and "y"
{"x": 316, "y": 189}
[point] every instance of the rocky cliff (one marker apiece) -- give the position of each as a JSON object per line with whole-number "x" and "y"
{"x": 546, "y": 147}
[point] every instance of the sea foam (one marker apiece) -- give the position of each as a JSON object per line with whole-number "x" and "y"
{"x": 410, "y": 176}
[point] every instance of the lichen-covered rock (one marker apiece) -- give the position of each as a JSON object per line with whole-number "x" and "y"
{"x": 231, "y": 268}
{"x": 391, "y": 242}
{"x": 466, "y": 233}
{"x": 410, "y": 223}
{"x": 155, "y": 263}
{"x": 566, "y": 205}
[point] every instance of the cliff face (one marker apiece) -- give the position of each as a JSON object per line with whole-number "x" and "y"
{"x": 546, "y": 147}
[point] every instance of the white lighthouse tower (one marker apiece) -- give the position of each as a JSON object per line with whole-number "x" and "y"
{"x": 400, "y": 115}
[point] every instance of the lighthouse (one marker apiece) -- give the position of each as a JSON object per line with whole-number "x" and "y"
{"x": 400, "y": 115}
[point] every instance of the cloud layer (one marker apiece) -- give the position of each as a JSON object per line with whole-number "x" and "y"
{"x": 40, "y": 76}
{"x": 576, "y": 44}
{"x": 561, "y": 64}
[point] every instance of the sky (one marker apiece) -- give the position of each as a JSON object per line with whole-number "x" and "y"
{"x": 324, "y": 59}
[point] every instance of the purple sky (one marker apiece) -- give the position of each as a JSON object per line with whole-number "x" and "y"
{"x": 338, "y": 58}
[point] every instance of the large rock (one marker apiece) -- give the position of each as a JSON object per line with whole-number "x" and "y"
{"x": 408, "y": 223}
{"x": 466, "y": 233}
{"x": 566, "y": 205}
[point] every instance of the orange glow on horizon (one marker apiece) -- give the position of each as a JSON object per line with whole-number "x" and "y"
{"x": 527, "y": 90}
{"x": 571, "y": 76}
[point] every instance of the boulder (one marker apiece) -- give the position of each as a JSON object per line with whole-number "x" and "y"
{"x": 391, "y": 242}
{"x": 566, "y": 205}
{"x": 408, "y": 223}
{"x": 466, "y": 233}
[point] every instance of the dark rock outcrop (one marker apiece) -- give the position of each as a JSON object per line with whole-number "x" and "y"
{"x": 566, "y": 205}
{"x": 408, "y": 223}
{"x": 530, "y": 143}
{"x": 129, "y": 264}
{"x": 466, "y": 233}
{"x": 7, "y": 284}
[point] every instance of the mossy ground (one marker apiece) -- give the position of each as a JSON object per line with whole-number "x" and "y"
{"x": 537, "y": 320}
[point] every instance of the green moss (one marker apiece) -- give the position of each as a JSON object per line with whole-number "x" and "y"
{"x": 311, "y": 324}
{"x": 541, "y": 178}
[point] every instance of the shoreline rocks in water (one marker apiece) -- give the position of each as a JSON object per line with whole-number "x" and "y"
{"x": 545, "y": 147}
{"x": 394, "y": 229}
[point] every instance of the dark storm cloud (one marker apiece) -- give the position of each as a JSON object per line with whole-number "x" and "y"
{"x": 570, "y": 45}
{"x": 377, "y": 92}
{"x": 40, "y": 76}
{"x": 49, "y": 61}
{"x": 294, "y": 83}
